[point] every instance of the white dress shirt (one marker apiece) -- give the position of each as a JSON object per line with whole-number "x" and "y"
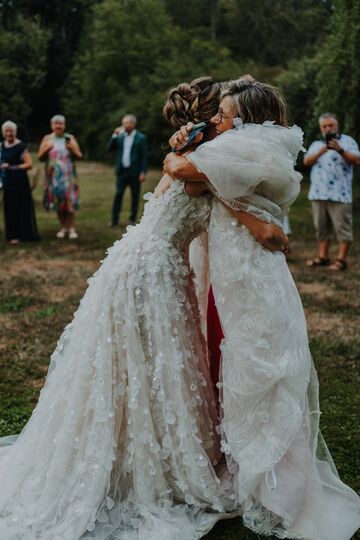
{"x": 128, "y": 142}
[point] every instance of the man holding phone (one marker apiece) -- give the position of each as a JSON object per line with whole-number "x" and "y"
{"x": 331, "y": 160}
{"x": 131, "y": 165}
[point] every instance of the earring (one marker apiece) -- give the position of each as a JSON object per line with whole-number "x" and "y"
{"x": 237, "y": 122}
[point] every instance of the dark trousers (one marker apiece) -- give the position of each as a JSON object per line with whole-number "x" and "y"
{"x": 126, "y": 178}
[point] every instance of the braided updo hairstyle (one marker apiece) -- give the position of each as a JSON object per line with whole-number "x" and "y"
{"x": 256, "y": 102}
{"x": 195, "y": 102}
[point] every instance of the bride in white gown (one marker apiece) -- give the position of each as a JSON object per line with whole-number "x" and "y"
{"x": 284, "y": 477}
{"x": 122, "y": 443}
{"x": 125, "y": 426}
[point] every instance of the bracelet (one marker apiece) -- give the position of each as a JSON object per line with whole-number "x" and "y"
{"x": 341, "y": 151}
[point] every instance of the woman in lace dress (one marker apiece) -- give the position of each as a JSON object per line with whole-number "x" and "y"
{"x": 284, "y": 478}
{"x": 122, "y": 443}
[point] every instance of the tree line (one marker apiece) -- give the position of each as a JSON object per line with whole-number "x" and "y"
{"x": 95, "y": 60}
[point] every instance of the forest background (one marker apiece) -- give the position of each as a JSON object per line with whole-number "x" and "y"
{"x": 95, "y": 60}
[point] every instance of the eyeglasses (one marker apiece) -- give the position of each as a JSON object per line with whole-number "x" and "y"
{"x": 223, "y": 116}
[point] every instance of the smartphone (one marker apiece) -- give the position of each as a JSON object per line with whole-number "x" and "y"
{"x": 329, "y": 137}
{"x": 193, "y": 133}
{"x": 67, "y": 139}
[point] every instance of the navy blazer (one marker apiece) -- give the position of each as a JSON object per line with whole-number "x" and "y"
{"x": 138, "y": 153}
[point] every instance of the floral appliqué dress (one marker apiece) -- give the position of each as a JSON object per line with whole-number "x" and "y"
{"x": 122, "y": 442}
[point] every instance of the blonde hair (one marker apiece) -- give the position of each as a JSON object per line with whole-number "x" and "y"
{"x": 256, "y": 102}
{"x": 195, "y": 102}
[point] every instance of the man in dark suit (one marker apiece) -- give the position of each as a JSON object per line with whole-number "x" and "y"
{"x": 130, "y": 167}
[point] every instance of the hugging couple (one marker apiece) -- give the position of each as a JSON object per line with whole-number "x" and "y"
{"x": 127, "y": 441}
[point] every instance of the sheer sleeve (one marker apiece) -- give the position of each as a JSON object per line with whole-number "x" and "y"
{"x": 253, "y": 166}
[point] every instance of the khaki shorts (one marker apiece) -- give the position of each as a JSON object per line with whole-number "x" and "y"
{"x": 330, "y": 215}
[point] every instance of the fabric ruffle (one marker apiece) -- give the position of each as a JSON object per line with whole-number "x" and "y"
{"x": 251, "y": 168}
{"x": 285, "y": 480}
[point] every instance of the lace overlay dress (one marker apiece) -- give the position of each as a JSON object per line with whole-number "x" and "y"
{"x": 122, "y": 442}
{"x": 285, "y": 480}
{"x": 284, "y": 477}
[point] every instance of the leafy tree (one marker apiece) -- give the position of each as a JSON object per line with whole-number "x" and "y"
{"x": 22, "y": 66}
{"x": 196, "y": 15}
{"x": 330, "y": 80}
{"x": 101, "y": 58}
{"x": 338, "y": 78}
{"x": 298, "y": 86}
{"x": 62, "y": 22}
{"x": 121, "y": 69}
{"x": 271, "y": 32}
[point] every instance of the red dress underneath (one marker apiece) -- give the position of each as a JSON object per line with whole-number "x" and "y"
{"x": 214, "y": 336}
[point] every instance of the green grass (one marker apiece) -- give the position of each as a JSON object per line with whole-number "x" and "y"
{"x": 14, "y": 303}
{"x": 41, "y": 285}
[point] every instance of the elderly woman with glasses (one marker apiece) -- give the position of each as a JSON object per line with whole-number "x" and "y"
{"x": 19, "y": 213}
{"x": 59, "y": 150}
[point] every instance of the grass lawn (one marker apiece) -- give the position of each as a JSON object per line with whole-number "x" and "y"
{"x": 41, "y": 285}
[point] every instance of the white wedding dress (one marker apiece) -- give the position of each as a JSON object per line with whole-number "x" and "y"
{"x": 122, "y": 442}
{"x": 284, "y": 478}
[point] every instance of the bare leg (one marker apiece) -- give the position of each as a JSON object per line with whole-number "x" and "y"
{"x": 62, "y": 219}
{"x": 63, "y": 225}
{"x": 343, "y": 250}
{"x": 324, "y": 246}
{"x": 340, "y": 263}
{"x": 71, "y": 226}
{"x": 70, "y": 220}
{"x": 323, "y": 258}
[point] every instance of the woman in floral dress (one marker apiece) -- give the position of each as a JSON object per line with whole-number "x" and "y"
{"x": 59, "y": 150}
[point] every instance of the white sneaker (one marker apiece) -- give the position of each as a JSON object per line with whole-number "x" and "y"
{"x": 61, "y": 233}
{"x": 73, "y": 234}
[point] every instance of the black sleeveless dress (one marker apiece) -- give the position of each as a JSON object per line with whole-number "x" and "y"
{"x": 19, "y": 213}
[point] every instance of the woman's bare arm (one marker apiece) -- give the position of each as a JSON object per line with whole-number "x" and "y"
{"x": 181, "y": 168}
{"x": 26, "y": 164}
{"x": 268, "y": 235}
{"x": 195, "y": 189}
{"x": 163, "y": 185}
{"x": 45, "y": 146}
{"x": 74, "y": 147}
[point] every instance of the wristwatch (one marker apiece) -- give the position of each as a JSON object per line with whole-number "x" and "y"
{"x": 341, "y": 151}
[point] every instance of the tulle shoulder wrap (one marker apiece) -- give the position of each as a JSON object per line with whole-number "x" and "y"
{"x": 251, "y": 168}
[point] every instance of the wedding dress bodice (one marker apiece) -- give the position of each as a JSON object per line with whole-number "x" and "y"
{"x": 174, "y": 217}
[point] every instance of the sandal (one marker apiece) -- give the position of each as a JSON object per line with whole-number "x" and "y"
{"x": 338, "y": 266}
{"x": 318, "y": 261}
